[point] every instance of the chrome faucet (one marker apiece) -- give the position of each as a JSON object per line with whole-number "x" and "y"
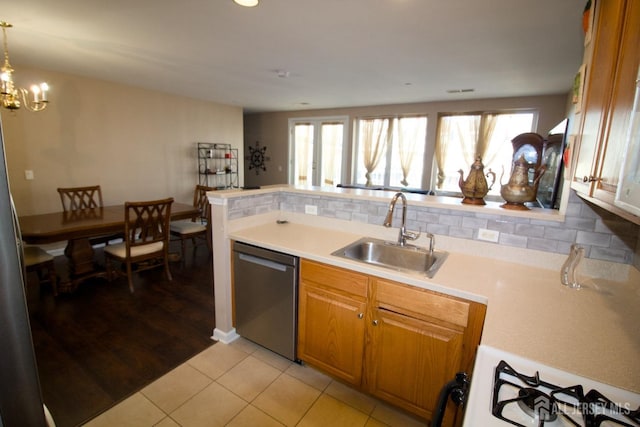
{"x": 404, "y": 233}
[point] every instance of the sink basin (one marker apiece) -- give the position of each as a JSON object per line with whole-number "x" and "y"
{"x": 382, "y": 253}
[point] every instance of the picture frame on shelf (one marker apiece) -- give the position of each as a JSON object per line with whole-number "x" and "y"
{"x": 578, "y": 86}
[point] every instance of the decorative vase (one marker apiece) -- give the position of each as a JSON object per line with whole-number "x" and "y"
{"x": 518, "y": 191}
{"x": 475, "y": 187}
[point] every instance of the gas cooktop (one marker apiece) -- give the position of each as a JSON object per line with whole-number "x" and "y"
{"x": 510, "y": 390}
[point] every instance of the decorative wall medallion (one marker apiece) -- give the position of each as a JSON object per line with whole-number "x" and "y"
{"x": 257, "y": 157}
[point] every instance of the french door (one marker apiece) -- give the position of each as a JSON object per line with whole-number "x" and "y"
{"x": 317, "y": 151}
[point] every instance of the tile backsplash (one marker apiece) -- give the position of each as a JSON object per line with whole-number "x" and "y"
{"x": 604, "y": 236}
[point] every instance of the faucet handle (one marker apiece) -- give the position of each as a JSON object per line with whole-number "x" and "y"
{"x": 432, "y": 242}
{"x": 411, "y": 235}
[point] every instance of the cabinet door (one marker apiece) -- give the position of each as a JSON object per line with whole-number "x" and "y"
{"x": 331, "y": 332}
{"x": 410, "y": 360}
{"x": 601, "y": 58}
{"x": 621, "y": 106}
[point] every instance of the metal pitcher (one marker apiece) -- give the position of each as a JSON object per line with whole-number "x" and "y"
{"x": 518, "y": 191}
{"x": 475, "y": 187}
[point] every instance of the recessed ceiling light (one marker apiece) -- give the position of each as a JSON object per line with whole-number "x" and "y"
{"x": 247, "y": 3}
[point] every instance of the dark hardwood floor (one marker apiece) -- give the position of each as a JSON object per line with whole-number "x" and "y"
{"x": 101, "y": 344}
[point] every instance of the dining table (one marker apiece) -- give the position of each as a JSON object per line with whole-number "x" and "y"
{"x": 77, "y": 228}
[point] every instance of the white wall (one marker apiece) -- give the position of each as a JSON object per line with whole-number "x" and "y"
{"x": 137, "y": 144}
{"x": 271, "y": 129}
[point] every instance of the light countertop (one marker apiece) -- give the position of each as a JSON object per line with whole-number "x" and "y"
{"x": 592, "y": 332}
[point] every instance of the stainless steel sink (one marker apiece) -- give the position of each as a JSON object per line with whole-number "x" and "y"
{"x": 407, "y": 258}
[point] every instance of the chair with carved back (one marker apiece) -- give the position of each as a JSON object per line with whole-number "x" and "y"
{"x": 77, "y": 198}
{"x": 200, "y": 225}
{"x": 146, "y": 240}
{"x": 84, "y": 201}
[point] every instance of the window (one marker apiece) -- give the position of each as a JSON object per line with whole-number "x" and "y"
{"x": 390, "y": 151}
{"x": 317, "y": 150}
{"x": 462, "y": 137}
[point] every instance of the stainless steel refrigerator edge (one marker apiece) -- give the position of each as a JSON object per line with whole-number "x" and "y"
{"x": 20, "y": 395}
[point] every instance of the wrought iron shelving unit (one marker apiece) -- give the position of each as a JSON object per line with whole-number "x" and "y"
{"x": 217, "y": 165}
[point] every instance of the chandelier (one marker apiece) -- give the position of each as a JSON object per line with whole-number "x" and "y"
{"x": 12, "y": 97}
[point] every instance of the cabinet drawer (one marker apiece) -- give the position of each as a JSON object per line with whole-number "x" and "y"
{"x": 421, "y": 302}
{"x": 333, "y": 277}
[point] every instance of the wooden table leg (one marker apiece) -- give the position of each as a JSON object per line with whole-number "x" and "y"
{"x": 80, "y": 254}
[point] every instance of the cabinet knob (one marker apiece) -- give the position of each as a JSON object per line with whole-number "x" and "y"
{"x": 360, "y": 315}
{"x": 590, "y": 179}
{"x": 375, "y": 323}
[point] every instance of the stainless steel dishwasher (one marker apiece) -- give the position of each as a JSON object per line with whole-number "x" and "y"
{"x": 266, "y": 297}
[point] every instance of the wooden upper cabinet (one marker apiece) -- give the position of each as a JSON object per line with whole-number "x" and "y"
{"x": 619, "y": 117}
{"x": 600, "y": 60}
{"x": 612, "y": 59}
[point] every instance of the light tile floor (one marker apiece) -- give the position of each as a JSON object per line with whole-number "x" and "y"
{"x": 243, "y": 384}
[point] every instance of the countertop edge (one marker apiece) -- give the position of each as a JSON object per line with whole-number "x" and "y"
{"x": 501, "y": 285}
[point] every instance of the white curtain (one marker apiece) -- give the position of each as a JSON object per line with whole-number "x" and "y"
{"x": 488, "y": 147}
{"x": 457, "y": 134}
{"x": 463, "y": 135}
{"x": 408, "y": 134}
{"x": 374, "y": 135}
{"x": 468, "y": 136}
{"x": 442, "y": 143}
{"x": 331, "y": 152}
{"x": 304, "y": 145}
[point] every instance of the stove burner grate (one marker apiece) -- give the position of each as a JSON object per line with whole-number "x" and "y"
{"x": 536, "y": 404}
{"x": 551, "y": 405}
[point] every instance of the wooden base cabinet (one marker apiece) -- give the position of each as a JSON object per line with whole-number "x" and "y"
{"x": 413, "y": 340}
{"x": 408, "y": 358}
{"x": 331, "y": 325}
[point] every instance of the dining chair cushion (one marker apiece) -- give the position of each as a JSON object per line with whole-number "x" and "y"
{"x": 187, "y": 227}
{"x": 38, "y": 260}
{"x": 146, "y": 238}
{"x": 199, "y": 225}
{"x": 34, "y": 255}
{"x": 120, "y": 249}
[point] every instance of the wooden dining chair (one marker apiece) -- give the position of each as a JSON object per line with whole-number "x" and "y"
{"x": 77, "y": 199}
{"x": 200, "y": 225}
{"x": 146, "y": 240}
{"x": 42, "y": 263}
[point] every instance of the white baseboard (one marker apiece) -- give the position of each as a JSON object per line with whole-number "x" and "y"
{"x": 225, "y": 337}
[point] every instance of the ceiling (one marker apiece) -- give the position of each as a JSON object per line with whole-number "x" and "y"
{"x": 306, "y": 54}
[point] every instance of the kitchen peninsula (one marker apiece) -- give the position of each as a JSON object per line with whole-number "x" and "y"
{"x": 590, "y": 332}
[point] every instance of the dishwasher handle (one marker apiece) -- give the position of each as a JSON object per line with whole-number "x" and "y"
{"x": 263, "y": 262}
